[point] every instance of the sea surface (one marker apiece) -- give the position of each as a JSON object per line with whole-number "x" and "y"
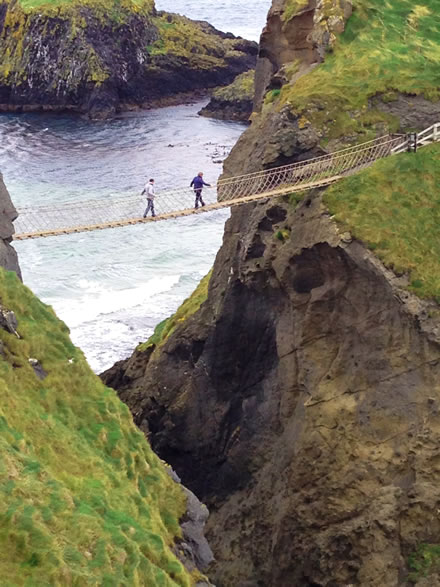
{"x": 112, "y": 287}
{"x": 244, "y": 18}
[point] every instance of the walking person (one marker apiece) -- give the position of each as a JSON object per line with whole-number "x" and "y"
{"x": 151, "y": 193}
{"x": 198, "y": 184}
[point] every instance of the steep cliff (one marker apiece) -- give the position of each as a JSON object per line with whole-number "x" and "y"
{"x": 8, "y": 256}
{"x": 301, "y": 400}
{"x": 89, "y": 56}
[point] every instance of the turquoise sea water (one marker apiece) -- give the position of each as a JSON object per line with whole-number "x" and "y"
{"x": 112, "y": 287}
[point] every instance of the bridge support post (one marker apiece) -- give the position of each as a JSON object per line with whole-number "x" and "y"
{"x": 412, "y": 142}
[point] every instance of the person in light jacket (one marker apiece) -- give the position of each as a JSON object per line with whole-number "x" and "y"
{"x": 198, "y": 184}
{"x": 150, "y": 191}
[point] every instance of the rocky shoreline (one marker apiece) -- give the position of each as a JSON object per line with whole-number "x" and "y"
{"x": 83, "y": 58}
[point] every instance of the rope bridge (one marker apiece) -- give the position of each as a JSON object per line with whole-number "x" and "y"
{"x": 73, "y": 217}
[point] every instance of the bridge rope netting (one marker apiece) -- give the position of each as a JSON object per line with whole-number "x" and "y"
{"x": 82, "y": 216}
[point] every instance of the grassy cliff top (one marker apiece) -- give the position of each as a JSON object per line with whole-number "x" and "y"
{"x": 394, "y": 208}
{"x": 110, "y": 8}
{"x": 83, "y": 499}
{"x": 387, "y": 47}
{"x": 242, "y": 88}
{"x": 193, "y": 41}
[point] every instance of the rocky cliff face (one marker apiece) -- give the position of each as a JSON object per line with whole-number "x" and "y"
{"x": 8, "y": 256}
{"x": 298, "y": 33}
{"x": 94, "y": 58}
{"x": 302, "y": 405}
{"x": 301, "y": 402}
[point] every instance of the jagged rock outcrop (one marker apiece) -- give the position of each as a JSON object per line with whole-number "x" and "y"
{"x": 98, "y": 59}
{"x": 299, "y": 32}
{"x": 8, "y": 255}
{"x": 193, "y": 549}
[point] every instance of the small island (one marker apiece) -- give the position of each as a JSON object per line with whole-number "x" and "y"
{"x": 233, "y": 102}
{"x": 98, "y": 58}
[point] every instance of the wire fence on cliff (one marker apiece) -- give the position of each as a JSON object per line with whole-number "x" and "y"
{"x": 73, "y": 217}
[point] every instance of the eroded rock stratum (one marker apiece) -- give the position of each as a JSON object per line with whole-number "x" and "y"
{"x": 302, "y": 404}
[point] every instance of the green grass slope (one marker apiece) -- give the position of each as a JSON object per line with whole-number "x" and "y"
{"x": 187, "y": 309}
{"x": 394, "y": 208}
{"x": 388, "y": 47}
{"x": 110, "y": 9}
{"x": 242, "y": 88}
{"x": 83, "y": 499}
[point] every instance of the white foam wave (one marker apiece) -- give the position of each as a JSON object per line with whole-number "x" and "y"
{"x": 95, "y": 300}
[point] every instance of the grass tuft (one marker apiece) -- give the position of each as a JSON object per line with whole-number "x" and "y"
{"x": 187, "y": 309}
{"x": 424, "y": 561}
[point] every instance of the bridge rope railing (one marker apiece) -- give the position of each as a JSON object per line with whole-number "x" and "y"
{"x": 88, "y": 215}
{"x": 339, "y": 163}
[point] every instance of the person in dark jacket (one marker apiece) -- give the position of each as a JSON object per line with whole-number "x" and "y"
{"x": 198, "y": 184}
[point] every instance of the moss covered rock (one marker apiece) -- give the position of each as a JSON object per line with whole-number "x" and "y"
{"x": 233, "y": 102}
{"x": 88, "y": 56}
